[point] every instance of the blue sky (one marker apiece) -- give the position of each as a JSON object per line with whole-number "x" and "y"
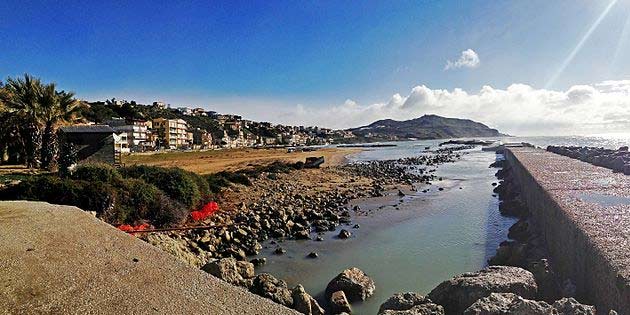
{"x": 255, "y": 56}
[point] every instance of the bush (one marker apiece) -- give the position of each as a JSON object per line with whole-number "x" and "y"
{"x": 45, "y": 188}
{"x": 237, "y": 178}
{"x": 96, "y": 172}
{"x": 124, "y": 201}
{"x": 216, "y": 182}
{"x": 178, "y": 184}
{"x": 137, "y": 200}
{"x": 99, "y": 196}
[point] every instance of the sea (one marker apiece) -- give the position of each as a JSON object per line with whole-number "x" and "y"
{"x": 415, "y": 242}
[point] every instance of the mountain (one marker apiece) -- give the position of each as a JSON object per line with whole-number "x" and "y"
{"x": 425, "y": 127}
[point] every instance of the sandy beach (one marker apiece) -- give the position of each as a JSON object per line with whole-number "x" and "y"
{"x": 212, "y": 161}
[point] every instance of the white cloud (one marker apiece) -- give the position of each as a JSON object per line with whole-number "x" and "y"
{"x": 468, "y": 59}
{"x": 518, "y": 109}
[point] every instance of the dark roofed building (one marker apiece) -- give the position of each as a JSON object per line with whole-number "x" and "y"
{"x": 94, "y": 143}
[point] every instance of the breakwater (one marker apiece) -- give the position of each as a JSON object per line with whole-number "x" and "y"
{"x": 62, "y": 260}
{"x": 583, "y": 212}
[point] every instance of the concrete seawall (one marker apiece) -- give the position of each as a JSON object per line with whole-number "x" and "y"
{"x": 583, "y": 211}
{"x": 61, "y": 260}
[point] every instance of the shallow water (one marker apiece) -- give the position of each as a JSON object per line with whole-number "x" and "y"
{"x": 432, "y": 236}
{"x": 428, "y": 239}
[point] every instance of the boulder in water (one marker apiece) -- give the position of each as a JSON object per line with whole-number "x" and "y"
{"x": 409, "y": 303}
{"x": 458, "y": 293}
{"x": 344, "y": 234}
{"x": 354, "y": 283}
{"x": 339, "y": 303}
{"x": 512, "y": 304}
{"x": 304, "y": 302}
{"x": 274, "y": 289}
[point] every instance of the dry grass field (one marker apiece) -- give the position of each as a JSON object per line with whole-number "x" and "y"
{"x": 212, "y": 161}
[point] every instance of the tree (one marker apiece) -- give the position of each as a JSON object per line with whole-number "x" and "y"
{"x": 55, "y": 108}
{"x": 20, "y": 98}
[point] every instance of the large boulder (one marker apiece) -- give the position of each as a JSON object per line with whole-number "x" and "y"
{"x": 569, "y": 306}
{"x": 339, "y": 303}
{"x": 304, "y": 302}
{"x": 409, "y": 303}
{"x": 354, "y": 283}
{"x": 230, "y": 270}
{"x": 423, "y": 309}
{"x": 458, "y": 293}
{"x": 274, "y": 289}
{"x": 508, "y": 303}
{"x": 512, "y": 304}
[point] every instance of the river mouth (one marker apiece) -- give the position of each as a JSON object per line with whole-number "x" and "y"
{"x": 409, "y": 243}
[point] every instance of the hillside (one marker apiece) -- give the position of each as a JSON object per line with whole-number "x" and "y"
{"x": 425, "y": 127}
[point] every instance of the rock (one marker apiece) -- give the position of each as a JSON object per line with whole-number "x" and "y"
{"x": 339, "y": 303}
{"x": 400, "y": 193}
{"x": 545, "y": 278}
{"x": 569, "y": 306}
{"x": 302, "y": 235}
{"x": 510, "y": 253}
{"x": 403, "y": 301}
{"x": 257, "y": 262}
{"x": 245, "y": 269}
{"x": 519, "y": 231}
{"x": 279, "y": 251}
{"x": 304, "y": 302}
{"x": 409, "y": 303}
{"x": 319, "y": 238}
{"x": 617, "y": 164}
{"x": 458, "y": 293}
{"x": 423, "y": 309}
{"x": 274, "y": 289}
{"x": 356, "y": 226}
{"x": 176, "y": 247}
{"x": 512, "y": 304}
{"x": 312, "y": 255}
{"x": 508, "y": 304}
{"x": 343, "y": 234}
{"x": 230, "y": 270}
{"x": 354, "y": 283}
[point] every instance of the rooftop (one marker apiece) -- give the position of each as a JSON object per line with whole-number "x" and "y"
{"x": 87, "y": 129}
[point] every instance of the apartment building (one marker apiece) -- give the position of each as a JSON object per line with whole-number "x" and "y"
{"x": 137, "y": 131}
{"x": 172, "y": 133}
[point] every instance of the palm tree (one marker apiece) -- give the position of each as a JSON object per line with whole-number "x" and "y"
{"x": 20, "y": 97}
{"x": 55, "y": 108}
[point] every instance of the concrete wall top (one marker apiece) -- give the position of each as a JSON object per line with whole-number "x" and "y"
{"x": 61, "y": 260}
{"x": 594, "y": 198}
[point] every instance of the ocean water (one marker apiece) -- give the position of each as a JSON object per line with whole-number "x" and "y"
{"x": 416, "y": 242}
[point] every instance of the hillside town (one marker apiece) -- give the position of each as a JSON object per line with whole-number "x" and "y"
{"x": 142, "y": 128}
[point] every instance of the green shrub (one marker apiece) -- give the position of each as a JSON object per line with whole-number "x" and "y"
{"x": 203, "y": 186}
{"x": 216, "y": 182}
{"x": 45, "y": 188}
{"x": 96, "y": 172}
{"x": 237, "y": 178}
{"x": 178, "y": 184}
{"x": 140, "y": 200}
{"x": 98, "y": 196}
